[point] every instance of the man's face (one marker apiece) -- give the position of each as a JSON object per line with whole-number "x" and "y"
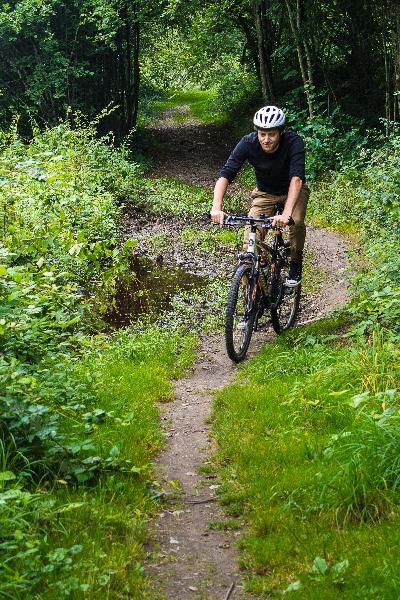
{"x": 269, "y": 139}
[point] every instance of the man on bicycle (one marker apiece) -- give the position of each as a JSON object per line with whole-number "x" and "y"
{"x": 277, "y": 156}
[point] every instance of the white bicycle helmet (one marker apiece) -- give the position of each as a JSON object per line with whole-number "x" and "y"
{"x": 269, "y": 117}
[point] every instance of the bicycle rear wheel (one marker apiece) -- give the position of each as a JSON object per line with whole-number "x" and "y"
{"x": 285, "y": 301}
{"x": 241, "y": 311}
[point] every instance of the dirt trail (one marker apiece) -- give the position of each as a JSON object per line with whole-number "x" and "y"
{"x": 191, "y": 151}
{"x": 187, "y": 558}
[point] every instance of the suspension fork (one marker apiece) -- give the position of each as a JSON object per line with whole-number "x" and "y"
{"x": 251, "y": 244}
{"x": 253, "y": 250}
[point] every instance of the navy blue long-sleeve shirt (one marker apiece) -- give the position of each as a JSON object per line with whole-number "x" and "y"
{"x": 273, "y": 171}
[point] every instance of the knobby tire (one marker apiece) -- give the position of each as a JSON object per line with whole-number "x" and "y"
{"x": 285, "y": 301}
{"x": 241, "y": 311}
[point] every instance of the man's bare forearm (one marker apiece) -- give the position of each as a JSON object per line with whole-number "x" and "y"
{"x": 220, "y": 188}
{"x": 293, "y": 194}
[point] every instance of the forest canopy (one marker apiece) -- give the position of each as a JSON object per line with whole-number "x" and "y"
{"x": 85, "y": 55}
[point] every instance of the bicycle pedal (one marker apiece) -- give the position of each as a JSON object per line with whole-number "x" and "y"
{"x": 245, "y": 257}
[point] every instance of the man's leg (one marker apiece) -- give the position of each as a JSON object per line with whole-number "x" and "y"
{"x": 297, "y": 232}
{"x": 297, "y": 236}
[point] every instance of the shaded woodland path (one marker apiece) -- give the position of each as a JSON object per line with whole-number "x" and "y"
{"x": 191, "y": 554}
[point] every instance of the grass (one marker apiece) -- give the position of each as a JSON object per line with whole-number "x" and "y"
{"x": 169, "y": 195}
{"x": 315, "y": 473}
{"x": 86, "y": 542}
{"x": 211, "y": 240}
{"x": 200, "y": 102}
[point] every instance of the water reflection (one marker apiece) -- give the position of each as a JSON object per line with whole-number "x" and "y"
{"x": 148, "y": 289}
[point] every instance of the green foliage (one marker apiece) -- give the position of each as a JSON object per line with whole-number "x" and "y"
{"x": 85, "y": 55}
{"x": 59, "y": 201}
{"x": 166, "y": 62}
{"x": 316, "y": 471}
{"x": 368, "y": 198}
{"x": 195, "y": 54}
{"x": 58, "y": 56}
{"x": 332, "y": 142}
{"x": 173, "y": 196}
{"x": 79, "y": 425}
{"x": 237, "y": 90}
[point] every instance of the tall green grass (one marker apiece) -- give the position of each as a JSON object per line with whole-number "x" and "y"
{"x": 200, "y": 107}
{"x": 308, "y": 442}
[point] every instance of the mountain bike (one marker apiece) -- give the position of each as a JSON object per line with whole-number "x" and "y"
{"x": 259, "y": 285}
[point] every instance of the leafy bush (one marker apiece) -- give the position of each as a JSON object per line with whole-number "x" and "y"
{"x": 332, "y": 142}
{"x": 59, "y": 199}
{"x": 369, "y": 200}
{"x": 76, "y": 410}
{"x": 237, "y": 90}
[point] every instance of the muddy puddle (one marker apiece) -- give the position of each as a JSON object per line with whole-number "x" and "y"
{"x": 149, "y": 289}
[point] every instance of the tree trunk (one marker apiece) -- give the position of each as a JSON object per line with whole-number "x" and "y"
{"x": 294, "y": 25}
{"x": 309, "y": 63}
{"x": 263, "y": 37}
{"x": 387, "y": 86}
{"x": 268, "y": 37}
{"x": 128, "y": 42}
{"x": 136, "y": 74}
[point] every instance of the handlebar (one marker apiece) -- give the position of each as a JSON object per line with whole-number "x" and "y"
{"x": 266, "y": 222}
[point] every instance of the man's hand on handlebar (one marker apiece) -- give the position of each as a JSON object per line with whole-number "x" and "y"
{"x": 218, "y": 216}
{"x": 282, "y": 220}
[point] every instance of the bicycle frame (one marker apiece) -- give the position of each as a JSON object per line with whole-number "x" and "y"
{"x": 257, "y": 285}
{"x": 253, "y": 241}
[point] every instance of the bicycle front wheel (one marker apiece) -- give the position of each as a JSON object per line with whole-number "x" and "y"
{"x": 240, "y": 312}
{"x": 285, "y": 302}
